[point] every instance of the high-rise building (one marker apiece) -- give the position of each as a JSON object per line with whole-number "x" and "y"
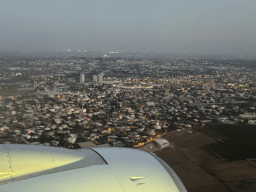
{"x": 100, "y": 77}
{"x": 82, "y": 78}
{"x": 94, "y": 77}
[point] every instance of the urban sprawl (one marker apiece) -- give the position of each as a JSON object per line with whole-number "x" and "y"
{"x": 120, "y": 102}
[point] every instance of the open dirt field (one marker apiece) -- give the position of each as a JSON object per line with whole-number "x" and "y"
{"x": 201, "y": 170}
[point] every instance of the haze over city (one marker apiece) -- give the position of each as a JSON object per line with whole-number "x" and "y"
{"x": 127, "y": 95}
{"x": 196, "y": 27}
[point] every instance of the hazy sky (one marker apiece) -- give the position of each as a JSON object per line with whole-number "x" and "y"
{"x": 175, "y": 26}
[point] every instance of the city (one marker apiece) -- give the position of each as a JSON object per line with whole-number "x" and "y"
{"x": 132, "y": 95}
{"x": 89, "y": 102}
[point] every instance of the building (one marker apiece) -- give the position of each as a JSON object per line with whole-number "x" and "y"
{"x": 94, "y": 78}
{"x": 161, "y": 143}
{"x": 247, "y": 116}
{"x": 82, "y": 78}
{"x": 72, "y": 138}
{"x": 100, "y": 77}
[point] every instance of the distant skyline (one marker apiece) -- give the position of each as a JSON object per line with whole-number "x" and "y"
{"x": 189, "y": 27}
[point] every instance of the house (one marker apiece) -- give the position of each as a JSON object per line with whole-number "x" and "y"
{"x": 161, "y": 143}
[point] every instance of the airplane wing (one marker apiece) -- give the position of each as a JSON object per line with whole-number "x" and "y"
{"x": 44, "y": 168}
